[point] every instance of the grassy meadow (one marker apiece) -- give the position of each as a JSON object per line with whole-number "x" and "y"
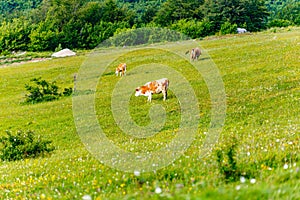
{"x": 261, "y": 77}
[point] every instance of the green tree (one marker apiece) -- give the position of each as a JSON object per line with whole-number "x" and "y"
{"x": 249, "y": 13}
{"x": 174, "y": 10}
{"x": 14, "y": 35}
{"x": 193, "y": 28}
{"x": 10, "y": 9}
{"x": 290, "y": 11}
{"x": 254, "y": 16}
{"x": 44, "y": 37}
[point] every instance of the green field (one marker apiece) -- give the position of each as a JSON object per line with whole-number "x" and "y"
{"x": 261, "y": 78}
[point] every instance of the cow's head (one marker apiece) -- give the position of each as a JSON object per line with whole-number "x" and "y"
{"x": 137, "y": 91}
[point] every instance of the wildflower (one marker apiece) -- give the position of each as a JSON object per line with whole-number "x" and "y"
{"x": 137, "y": 173}
{"x": 252, "y": 180}
{"x": 158, "y": 190}
{"x": 86, "y": 197}
{"x": 238, "y": 187}
{"x": 43, "y": 196}
{"x": 242, "y": 179}
{"x": 285, "y": 166}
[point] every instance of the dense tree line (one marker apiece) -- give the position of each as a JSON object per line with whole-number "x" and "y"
{"x": 283, "y": 12}
{"x": 39, "y": 25}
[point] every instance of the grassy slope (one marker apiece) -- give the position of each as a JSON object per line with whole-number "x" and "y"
{"x": 261, "y": 76}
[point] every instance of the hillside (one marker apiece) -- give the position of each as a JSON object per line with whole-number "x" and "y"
{"x": 253, "y": 78}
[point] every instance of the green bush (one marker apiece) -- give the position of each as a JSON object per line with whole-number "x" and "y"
{"x": 228, "y": 28}
{"x": 279, "y": 23}
{"x": 228, "y": 165}
{"x": 68, "y": 91}
{"x": 140, "y": 36}
{"x": 43, "y": 91}
{"x": 58, "y": 48}
{"x": 22, "y": 145}
{"x": 193, "y": 28}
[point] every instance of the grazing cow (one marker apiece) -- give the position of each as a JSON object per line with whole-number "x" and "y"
{"x": 154, "y": 87}
{"x": 121, "y": 69}
{"x": 194, "y": 53}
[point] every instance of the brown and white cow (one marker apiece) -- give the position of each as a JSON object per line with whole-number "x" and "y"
{"x": 153, "y": 87}
{"x": 121, "y": 69}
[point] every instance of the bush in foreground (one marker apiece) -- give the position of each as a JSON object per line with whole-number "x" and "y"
{"x": 23, "y": 145}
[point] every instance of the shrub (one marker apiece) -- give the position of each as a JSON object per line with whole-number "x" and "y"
{"x": 228, "y": 28}
{"x": 228, "y": 169}
{"x": 58, "y": 48}
{"x": 145, "y": 35}
{"x": 228, "y": 165}
{"x": 22, "y": 145}
{"x": 44, "y": 91}
{"x": 68, "y": 91}
{"x": 279, "y": 23}
{"x": 193, "y": 28}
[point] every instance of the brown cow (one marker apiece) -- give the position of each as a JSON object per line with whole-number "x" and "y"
{"x": 121, "y": 69}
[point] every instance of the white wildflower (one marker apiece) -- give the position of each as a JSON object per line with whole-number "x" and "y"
{"x": 252, "y": 180}
{"x": 86, "y": 197}
{"x": 242, "y": 179}
{"x": 137, "y": 173}
{"x": 158, "y": 190}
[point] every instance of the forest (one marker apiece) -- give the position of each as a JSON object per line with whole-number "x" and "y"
{"x": 44, "y": 25}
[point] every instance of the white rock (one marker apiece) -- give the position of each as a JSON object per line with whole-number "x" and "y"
{"x": 63, "y": 53}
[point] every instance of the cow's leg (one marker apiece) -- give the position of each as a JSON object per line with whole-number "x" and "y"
{"x": 150, "y": 96}
{"x": 165, "y": 94}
